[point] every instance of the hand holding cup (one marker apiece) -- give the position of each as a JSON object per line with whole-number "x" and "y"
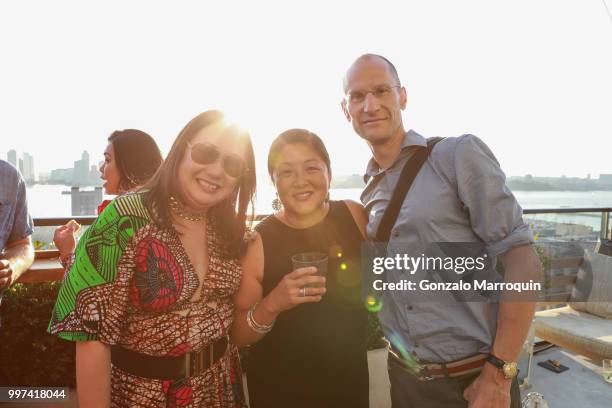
{"x": 296, "y": 288}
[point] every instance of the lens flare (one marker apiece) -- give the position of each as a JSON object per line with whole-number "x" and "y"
{"x": 373, "y": 304}
{"x": 407, "y": 357}
{"x": 347, "y": 274}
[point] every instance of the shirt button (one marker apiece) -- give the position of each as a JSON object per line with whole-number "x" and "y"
{"x": 396, "y": 234}
{"x": 416, "y": 345}
{"x": 409, "y": 307}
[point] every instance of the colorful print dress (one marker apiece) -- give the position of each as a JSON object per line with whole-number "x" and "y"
{"x": 132, "y": 285}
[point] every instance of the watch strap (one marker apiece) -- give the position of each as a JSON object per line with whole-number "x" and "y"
{"x": 497, "y": 362}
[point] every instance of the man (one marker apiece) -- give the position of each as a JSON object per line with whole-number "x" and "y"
{"x": 459, "y": 195}
{"x": 16, "y": 250}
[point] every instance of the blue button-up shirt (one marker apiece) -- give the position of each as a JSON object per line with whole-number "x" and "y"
{"x": 459, "y": 195}
{"x": 15, "y": 222}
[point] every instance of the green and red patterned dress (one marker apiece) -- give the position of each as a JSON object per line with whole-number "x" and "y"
{"x": 132, "y": 284}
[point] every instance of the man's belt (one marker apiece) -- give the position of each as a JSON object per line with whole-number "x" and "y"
{"x": 432, "y": 371}
{"x": 169, "y": 368}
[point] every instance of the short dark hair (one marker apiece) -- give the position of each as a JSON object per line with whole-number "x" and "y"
{"x": 137, "y": 157}
{"x": 365, "y": 57}
{"x": 228, "y": 217}
{"x": 292, "y": 136}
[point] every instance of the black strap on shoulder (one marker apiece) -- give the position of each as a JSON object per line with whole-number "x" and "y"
{"x": 409, "y": 173}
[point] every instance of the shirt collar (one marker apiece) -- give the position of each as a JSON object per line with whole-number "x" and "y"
{"x": 411, "y": 138}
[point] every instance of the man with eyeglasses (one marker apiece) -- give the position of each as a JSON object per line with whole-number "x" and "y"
{"x": 16, "y": 250}
{"x": 441, "y": 355}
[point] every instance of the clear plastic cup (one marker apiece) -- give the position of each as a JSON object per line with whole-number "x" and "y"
{"x": 316, "y": 259}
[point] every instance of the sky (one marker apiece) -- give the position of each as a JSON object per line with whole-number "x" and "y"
{"x": 533, "y": 79}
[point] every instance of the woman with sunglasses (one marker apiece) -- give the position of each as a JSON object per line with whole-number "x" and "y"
{"x": 130, "y": 160}
{"x": 150, "y": 290}
{"x": 314, "y": 350}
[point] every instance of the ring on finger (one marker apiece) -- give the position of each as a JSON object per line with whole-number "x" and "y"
{"x": 303, "y": 291}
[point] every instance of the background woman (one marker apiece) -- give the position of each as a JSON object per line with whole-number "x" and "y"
{"x": 315, "y": 354}
{"x": 152, "y": 281}
{"x": 131, "y": 158}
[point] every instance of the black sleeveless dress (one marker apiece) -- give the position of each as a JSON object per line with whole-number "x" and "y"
{"x": 315, "y": 356}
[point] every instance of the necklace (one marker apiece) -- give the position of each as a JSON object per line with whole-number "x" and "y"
{"x": 177, "y": 208}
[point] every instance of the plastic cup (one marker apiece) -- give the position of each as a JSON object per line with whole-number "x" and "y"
{"x": 316, "y": 259}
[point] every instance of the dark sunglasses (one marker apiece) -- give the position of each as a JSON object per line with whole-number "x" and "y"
{"x": 205, "y": 153}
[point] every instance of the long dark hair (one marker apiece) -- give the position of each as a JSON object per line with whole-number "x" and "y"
{"x": 228, "y": 217}
{"x": 137, "y": 157}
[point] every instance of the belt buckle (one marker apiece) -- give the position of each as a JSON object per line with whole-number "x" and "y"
{"x": 423, "y": 374}
{"x": 194, "y": 362}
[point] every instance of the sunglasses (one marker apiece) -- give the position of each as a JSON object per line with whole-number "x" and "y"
{"x": 205, "y": 153}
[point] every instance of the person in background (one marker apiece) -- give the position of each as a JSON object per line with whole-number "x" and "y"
{"x": 131, "y": 158}
{"x": 148, "y": 300}
{"x": 16, "y": 249}
{"x": 315, "y": 354}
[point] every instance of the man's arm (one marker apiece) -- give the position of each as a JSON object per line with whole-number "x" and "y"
{"x": 491, "y": 388}
{"x": 514, "y": 318}
{"x": 17, "y": 257}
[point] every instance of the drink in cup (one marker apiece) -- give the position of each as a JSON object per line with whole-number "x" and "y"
{"x": 306, "y": 259}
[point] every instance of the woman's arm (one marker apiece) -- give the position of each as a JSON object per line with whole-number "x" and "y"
{"x": 93, "y": 370}
{"x": 284, "y": 296}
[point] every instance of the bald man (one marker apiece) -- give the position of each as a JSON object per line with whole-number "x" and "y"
{"x": 441, "y": 355}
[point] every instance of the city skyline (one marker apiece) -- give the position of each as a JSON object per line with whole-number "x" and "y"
{"x": 82, "y": 173}
{"x": 531, "y": 79}
{"x": 93, "y": 170}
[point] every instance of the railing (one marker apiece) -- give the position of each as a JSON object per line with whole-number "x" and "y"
{"x": 559, "y": 236}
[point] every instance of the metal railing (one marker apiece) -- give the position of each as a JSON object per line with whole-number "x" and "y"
{"x": 603, "y": 213}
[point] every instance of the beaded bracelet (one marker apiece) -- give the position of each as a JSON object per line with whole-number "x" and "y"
{"x": 256, "y": 327}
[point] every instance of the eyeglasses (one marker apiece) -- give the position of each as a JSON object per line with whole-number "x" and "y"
{"x": 380, "y": 92}
{"x": 205, "y": 153}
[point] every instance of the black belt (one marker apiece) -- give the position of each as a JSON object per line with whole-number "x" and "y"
{"x": 169, "y": 368}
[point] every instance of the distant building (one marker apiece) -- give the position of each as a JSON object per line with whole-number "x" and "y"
{"x": 12, "y": 157}
{"x": 85, "y": 202}
{"x": 20, "y": 166}
{"x": 605, "y": 179}
{"x": 61, "y": 176}
{"x": 44, "y": 177}
{"x": 94, "y": 176}
{"x": 81, "y": 170}
{"x": 28, "y": 168}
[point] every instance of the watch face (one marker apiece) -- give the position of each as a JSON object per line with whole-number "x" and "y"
{"x": 510, "y": 370}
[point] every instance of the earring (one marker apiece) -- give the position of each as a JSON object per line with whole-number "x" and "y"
{"x": 276, "y": 204}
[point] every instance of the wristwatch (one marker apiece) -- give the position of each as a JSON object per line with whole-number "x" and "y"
{"x": 509, "y": 368}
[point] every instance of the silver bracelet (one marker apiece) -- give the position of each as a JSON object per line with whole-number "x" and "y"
{"x": 256, "y": 327}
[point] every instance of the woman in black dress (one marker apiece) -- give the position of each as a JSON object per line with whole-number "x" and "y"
{"x": 311, "y": 341}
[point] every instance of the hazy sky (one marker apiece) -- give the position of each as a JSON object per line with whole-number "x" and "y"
{"x": 532, "y": 78}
